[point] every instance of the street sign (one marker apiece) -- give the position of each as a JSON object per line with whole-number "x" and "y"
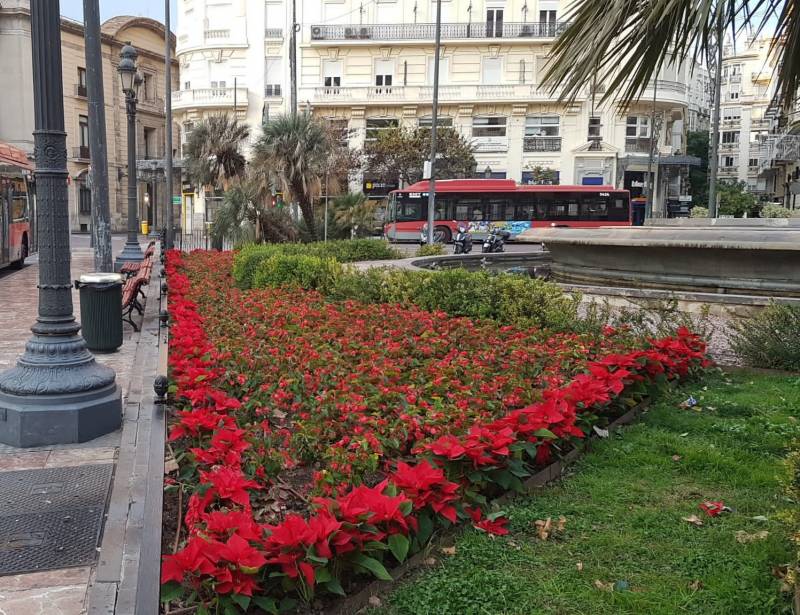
{"x": 176, "y": 200}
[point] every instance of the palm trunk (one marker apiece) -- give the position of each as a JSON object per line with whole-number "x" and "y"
{"x": 307, "y": 209}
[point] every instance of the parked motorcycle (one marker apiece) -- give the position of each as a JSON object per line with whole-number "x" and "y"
{"x": 495, "y": 241}
{"x": 462, "y": 242}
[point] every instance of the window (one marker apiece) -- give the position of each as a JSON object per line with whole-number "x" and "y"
{"x": 494, "y": 23}
{"x": 637, "y": 126}
{"x": 488, "y": 127}
{"x": 273, "y": 76}
{"x": 733, "y": 95}
{"x": 594, "y": 129}
{"x": 84, "y": 199}
{"x": 187, "y": 85}
{"x": 332, "y": 76}
{"x": 147, "y": 90}
{"x": 753, "y": 162}
{"x": 83, "y": 129}
{"x": 274, "y": 15}
{"x": 547, "y": 17}
{"x": 444, "y": 70}
{"x": 218, "y": 85}
{"x": 149, "y": 143}
{"x": 500, "y": 209}
{"x": 729, "y": 161}
{"x": 409, "y": 209}
{"x": 384, "y": 72}
{"x": 441, "y": 121}
{"x": 492, "y": 71}
{"x": 377, "y": 125}
{"x": 732, "y": 113}
{"x": 730, "y": 136}
{"x": 542, "y": 126}
{"x": 81, "y": 89}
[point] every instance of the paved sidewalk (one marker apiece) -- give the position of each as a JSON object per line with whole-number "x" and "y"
{"x": 63, "y": 591}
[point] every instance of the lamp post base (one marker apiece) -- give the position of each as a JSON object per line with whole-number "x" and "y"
{"x": 131, "y": 253}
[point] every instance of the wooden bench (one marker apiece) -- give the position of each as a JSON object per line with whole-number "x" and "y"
{"x": 130, "y": 268}
{"x": 130, "y": 300}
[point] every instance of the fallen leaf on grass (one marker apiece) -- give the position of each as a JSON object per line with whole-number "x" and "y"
{"x": 170, "y": 465}
{"x": 543, "y": 528}
{"x": 676, "y": 458}
{"x": 603, "y": 433}
{"x": 694, "y": 520}
{"x": 684, "y": 434}
{"x": 759, "y": 518}
{"x": 449, "y": 550}
{"x": 744, "y": 538}
{"x": 431, "y": 561}
{"x": 579, "y": 566}
{"x": 603, "y": 586}
{"x": 561, "y": 523}
{"x": 696, "y": 585}
{"x": 374, "y": 601}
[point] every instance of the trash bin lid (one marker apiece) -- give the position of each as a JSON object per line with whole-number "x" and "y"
{"x": 100, "y": 278}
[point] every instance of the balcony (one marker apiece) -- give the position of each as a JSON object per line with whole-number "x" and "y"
{"x": 490, "y": 144}
{"x": 638, "y": 145}
{"x": 210, "y": 98}
{"x": 273, "y": 33}
{"x": 541, "y": 144}
{"x": 427, "y": 31}
{"x": 423, "y": 94}
{"x": 759, "y": 124}
{"x": 80, "y": 90}
{"x": 81, "y": 153}
{"x": 216, "y": 35}
{"x": 729, "y": 147}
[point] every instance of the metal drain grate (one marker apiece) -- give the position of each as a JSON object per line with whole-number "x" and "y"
{"x": 64, "y": 529}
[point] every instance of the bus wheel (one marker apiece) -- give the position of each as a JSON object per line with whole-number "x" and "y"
{"x": 441, "y": 234}
{"x": 19, "y": 263}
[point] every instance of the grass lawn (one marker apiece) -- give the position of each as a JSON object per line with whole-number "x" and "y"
{"x": 624, "y": 505}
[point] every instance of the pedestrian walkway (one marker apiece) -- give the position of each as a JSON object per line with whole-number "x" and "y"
{"x": 79, "y": 471}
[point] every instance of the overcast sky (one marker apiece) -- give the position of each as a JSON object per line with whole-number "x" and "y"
{"x": 111, "y": 8}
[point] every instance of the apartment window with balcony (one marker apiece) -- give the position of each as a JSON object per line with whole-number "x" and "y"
{"x": 637, "y": 126}
{"x": 733, "y": 94}
{"x": 84, "y": 198}
{"x": 273, "y": 77}
{"x": 492, "y": 71}
{"x": 729, "y": 162}
{"x": 547, "y": 17}
{"x": 80, "y": 90}
{"x": 83, "y": 135}
{"x": 332, "y": 76}
{"x": 494, "y": 22}
{"x": 444, "y": 70}
{"x": 489, "y": 126}
{"x": 730, "y": 137}
{"x": 732, "y": 113}
{"x": 446, "y": 11}
{"x": 441, "y": 121}
{"x": 542, "y": 133}
{"x": 595, "y": 126}
{"x": 384, "y": 74}
{"x": 377, "y": 125}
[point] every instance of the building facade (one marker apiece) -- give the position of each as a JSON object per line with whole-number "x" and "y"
{"x": 747, "y": 88}
{"x": 367, "y": 67}
{"x": 17, "y": 124}
{"x": 700, "y": 100}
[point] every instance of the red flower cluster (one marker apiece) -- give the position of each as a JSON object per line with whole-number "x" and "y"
{"x": 270, "y": 380}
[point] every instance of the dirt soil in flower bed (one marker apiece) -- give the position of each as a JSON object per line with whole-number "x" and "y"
{"x": 319, "y": 442}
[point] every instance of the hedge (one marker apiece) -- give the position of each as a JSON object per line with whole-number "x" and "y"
{"x": 251, "y": 256}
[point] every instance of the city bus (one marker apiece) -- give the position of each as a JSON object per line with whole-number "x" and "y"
{"x": 15, "y": 227}
{"x": 482, "y": 204}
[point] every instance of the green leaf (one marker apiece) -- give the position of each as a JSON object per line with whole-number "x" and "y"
{"x": 375, "y": 545}
{"x": 241, "y": 600}
{"x": 406, "y": 507}
{"x": 544, "y": 433}
{"x": 202, "y": 610}
{"x": 270, "y": 605}
{"x": 322, "y": 575}
{"x": 171, "y": 591}
{"x": 334, "y": 587}
{"x": 398, "y": 545}
{"x": 287, "y": 604}
{"x": 372, "y": 565}
{"x": 425, "y": 529}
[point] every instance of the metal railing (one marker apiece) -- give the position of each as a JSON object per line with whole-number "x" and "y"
{"x": 81, "y": 152}
{"x": 541, "y": 144}
{"x": 427, "y": 31}
{"x": 638, "y": 145}
{"x": 80, "y": 90}
{"x": 415, "y": 93}
{"x": 198, "y": 239}
{"x": 273, "y": 32}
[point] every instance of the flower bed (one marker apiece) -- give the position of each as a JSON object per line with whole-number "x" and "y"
{"x": 320, "y": 441}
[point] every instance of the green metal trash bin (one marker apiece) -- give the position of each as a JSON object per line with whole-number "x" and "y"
{"x": 101, "y": 310}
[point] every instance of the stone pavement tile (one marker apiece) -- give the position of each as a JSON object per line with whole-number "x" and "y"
{"x": 23, "y": 461}
{"x": 65, "y": 600}
{"x": 49, "y": 578}
{"x": 80, "y": 456}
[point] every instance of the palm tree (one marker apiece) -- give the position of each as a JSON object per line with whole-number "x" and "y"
{"x": 213, "y": 151}
{"x": 297, "y": 149}
{"x": 624, "y": 43}
{"x": 353, "y": 211}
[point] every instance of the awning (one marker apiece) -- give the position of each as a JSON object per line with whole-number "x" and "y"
{"x": 15, "y": 157}
{"x": 692, "y": 161}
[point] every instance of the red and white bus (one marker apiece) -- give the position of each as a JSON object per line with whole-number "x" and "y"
{"x": 15, "y": 226}
{"x": 481, "y": 204}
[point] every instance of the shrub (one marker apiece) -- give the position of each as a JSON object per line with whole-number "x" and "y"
{"x": 699, "y": 212}
{"x": 770, "y": 339}
{"x": 250, "y": 257}
{"x": 430, "y": 249}
{"x": 775, "y": 211}
{"x": 298, "y": 270}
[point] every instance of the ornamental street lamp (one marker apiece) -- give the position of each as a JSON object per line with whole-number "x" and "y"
{"x": 130, "y": 79}
{"x": 57, "y": 393}
{"x": 487, "y": 173}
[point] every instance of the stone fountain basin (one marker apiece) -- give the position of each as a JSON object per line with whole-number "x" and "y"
{"x": 753, "y": 260}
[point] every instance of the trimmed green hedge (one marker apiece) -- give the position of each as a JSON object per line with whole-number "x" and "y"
{"x": 506, "y": 298}
{"x": 249, "y": 258}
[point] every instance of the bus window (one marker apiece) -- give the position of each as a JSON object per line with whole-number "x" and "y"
{"x": 497, "y": 209}
{"x": 619, "y": 210}
{"x": 409, "y": 210}
{"x": 392, "y": 214}
{"x": 19, "y": 207}
{"x": 594, "y": 207}
{"x": 439, "y": 210}
{"x": 475, "y": 209}
{"x": 525, "y": 210}
{"x": 462, "y": 211}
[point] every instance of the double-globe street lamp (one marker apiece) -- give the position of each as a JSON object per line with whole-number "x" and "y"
{"x": 131, "y": 80}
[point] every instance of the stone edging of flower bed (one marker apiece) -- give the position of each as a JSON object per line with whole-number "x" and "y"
{"x": 552, "y": 472}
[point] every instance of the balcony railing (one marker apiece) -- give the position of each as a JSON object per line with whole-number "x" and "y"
{"x": 427, "y": 31}
{"x": 421, "y": 93}
{"x": 727, "y": 147}
{"x": 210, "y": 97}
{"x": 638, "y": 145}
{"x": 80, "y": 90}
{"x": 541, "y": 144}
{"x": 273, "y": 33}
{"x": 217, "y": 34}
{"x": 81, "y": 152}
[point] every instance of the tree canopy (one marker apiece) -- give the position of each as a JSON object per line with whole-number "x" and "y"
{"x": 213, "y": 152}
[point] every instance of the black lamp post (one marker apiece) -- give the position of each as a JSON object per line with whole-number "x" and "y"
{"x": 57, "y": 393}
{"x": 130, "y": 79}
